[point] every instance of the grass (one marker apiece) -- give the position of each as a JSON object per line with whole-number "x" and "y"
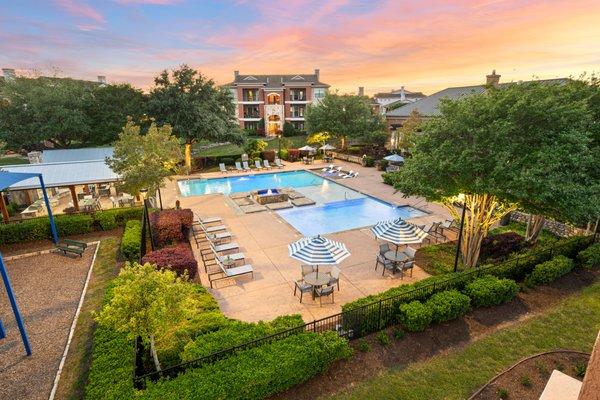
{"x": 573, "y": 324}
{"x": 439, "y": 258}
{"x": 13, "y": 160}
{"x": 75, "y": 372}
{"x": 232, "y": 149}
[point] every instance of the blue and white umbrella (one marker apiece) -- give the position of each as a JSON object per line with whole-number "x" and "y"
{"x": 394, "y": 158}
{"x": 318, "y": 250}
{"x": 398, "y": 232}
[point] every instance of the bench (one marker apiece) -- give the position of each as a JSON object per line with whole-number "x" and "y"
{"x": 71, "y": 246}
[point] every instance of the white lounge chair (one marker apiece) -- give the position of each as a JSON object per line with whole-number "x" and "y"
{"x": 328, "y": 169}
{"x": 278, "y": 163}
{"x": 222, "y": 168}
{"x": 206, "y": 220}
{"x": 245, "y": 166}
{"x": 257, "y": 164}
{"x": 266, "y": 164}
{"x": 230, "y": 272}
{"x": 238, "y": 167}
{"x": 350, "y": 175}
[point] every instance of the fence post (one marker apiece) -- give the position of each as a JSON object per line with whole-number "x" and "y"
{"x": 314, "y": 326}
{"x": 379, "y": 320}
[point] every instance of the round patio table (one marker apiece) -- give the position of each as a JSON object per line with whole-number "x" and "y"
{"x": 317, "y": 280}
{"x": 394, "y": 256}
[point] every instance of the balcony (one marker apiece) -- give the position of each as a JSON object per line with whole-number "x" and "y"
{"x": 251, "y": 115}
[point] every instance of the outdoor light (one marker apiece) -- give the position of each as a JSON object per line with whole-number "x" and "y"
{"x": 143, "y": 193}
{"x": 460, "y": 197}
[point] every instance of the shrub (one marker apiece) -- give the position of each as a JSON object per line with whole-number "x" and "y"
{"x": 178, "y": 258}
{"x": 383, "y": 164}
{"x": 390, "y": 178}
{"x": 256, "y": 373}
{"x": 580, "y": 369}
{"x": 399, "y": 334}
{"x": 525, "y": 381}
{"x": 368, "y": 161}
{"x": 416, "y": 316}
{"x": 132, "y": 240}
{"x": 503, "y": 393}
{"x": 354, "y": 150}
{"x": 170, "y": 226}
{"x": 550, "y": 270}
{"x": 284, "y": 154}
{"x": 268, "y": 155}
{"x": 490, "y": 291}
{"x": 448, "y": 305}
{"x": 227, "y": 160}
{"x": 497, "y": 247}
{"x": 106, "y": 221}
{"x": 293, "y": 154}
{"x": 77, "y": 224}
{"x": 383, "y": 338}
{"x": 590, "y": 257}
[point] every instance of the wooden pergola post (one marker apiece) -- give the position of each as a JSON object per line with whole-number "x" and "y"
{"x": 74, "y": 197}
{"x": 5, "y": 215}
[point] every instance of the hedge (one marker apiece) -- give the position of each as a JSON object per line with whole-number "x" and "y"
{"x": 415, "y": 316}
{"x": 255, "y": 373}
{"x": 448, "y": 305}
{"x": 549, "y": 271}
{"x": 178, "y": 258}
{"x": 132, "y": 240}
{"x": 66, "y": 225}
{"x": 170, "y": 226}
{"x": 490, "y": 291}
{"x": 590, "y": 257}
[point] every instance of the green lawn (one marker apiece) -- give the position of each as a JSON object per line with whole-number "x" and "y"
{"x": 296, "y": 141}
{"x": 13, "y": 160}
{"x": 438, "y": 259}
{"x": 573, "y": 324}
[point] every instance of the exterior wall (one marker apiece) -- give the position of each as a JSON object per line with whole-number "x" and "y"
{"x": 558, "y": 228}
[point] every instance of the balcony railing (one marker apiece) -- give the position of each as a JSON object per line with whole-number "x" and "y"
{"x": 297, "y": 97}
{"x": 251, "y": 115}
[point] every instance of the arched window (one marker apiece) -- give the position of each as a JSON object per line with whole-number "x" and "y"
{"x": 273, "y": 98}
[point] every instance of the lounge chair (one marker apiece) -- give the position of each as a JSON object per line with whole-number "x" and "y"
{"x": 350, "y": 175}
{"x": 257, "y": 164}
{"x": 238, "y": 167}
{"x": 207, "y": 220}
{"x": 245, "y": 166}
{"x": 324, "y": 292}
{"x": 343, "y": 175}
{"x": 278, "y": 163}
{"x": 303, "y": 287}
{"x": 230, "y": 272}
{"x": 432, "y": 233}
{"x": 266, "y": 164}
{"x": 222, "y": 168}
{"x": 233, "y": 256}
{"x": 329, "y": 168}
{"x": 449, "y": 225}
{"x": 211, "y": 229}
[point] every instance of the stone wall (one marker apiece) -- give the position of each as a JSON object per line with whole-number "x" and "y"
{"x": 558, "y": 228}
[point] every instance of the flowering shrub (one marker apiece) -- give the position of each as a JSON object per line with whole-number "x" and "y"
{"x": 293, "y": 155}
{"x": 178, "y": 258}
{"x": 497, "y": 247}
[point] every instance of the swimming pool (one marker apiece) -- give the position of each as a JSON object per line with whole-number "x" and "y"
{"x": 338, "y": 208}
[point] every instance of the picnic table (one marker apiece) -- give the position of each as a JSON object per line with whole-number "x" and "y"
{"x": 125, "y": 199}
{"x": 90, "y": 204}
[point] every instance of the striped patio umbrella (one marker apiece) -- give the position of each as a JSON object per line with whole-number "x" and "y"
{"x": 318, "y": 250}
{"x": 398, "y": 232}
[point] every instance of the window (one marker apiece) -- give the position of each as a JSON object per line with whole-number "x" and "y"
{"x": 298, "y": 94}
{"x": 250, "y": 94}
{"x": 251, "y": 111}
{"x": 251, "y": 125}
{"x": 297, "y": 111}
{"x": 298, "y": 125}
{"x": 273, "y": 98}
{"x": 319, "y": 93}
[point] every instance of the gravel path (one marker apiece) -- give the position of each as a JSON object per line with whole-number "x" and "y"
{"x": 48, "y": 288}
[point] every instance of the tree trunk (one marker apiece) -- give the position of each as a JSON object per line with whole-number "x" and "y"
{"x": 154, "y": 354}
{"x": 188, "y": 155}
{"x": 535, "y": 223}
{"x": 482, "y": 212}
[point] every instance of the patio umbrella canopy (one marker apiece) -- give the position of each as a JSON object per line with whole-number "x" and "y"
{"x": 326, "y": 147}
{"x": 318, "y": 250}
{"x": 394, "y": 158}
{"x": 398, "y": 232}
{"x": 307, "y": 148}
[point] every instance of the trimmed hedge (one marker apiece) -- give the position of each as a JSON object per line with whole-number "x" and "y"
{"x": 67, "y": 225}
{"x": 132, "y": 240}
{"x": 448, "y": 305}
{"x": 550, "y": 270}
{"x": 490, "y": 291}
{"x": 178, "y": 258}
{"x": 415, "y": 316}
{"x": 255, "y": 373}
{"x": 590, "y": 257}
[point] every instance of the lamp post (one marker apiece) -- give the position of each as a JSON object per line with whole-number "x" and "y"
{"x": 278, "y": 144}
{"x": 143, "y": 195}
{"x": 460, "y": 233}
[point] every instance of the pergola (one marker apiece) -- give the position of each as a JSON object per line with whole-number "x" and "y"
{"x": 8, "y": 179}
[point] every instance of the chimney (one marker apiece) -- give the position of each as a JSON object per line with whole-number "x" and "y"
{"x": 493, "y": 79}
{"x": 102, "y": 79}
{"x": 236, "y": 73}
{"x": 9, "y": 73}
{"x": 361, "y": 91}
{"x": 402, "y": 94}
{"x": 317, "y": 73}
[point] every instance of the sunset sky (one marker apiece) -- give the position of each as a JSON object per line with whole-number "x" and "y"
{"x": 424, "y": 45}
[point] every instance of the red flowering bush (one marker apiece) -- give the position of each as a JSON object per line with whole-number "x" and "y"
{"x": 178, "y": 258}
{"x": 171, "y": 226}
{"x": 496, "y": 247}
{"x": 293, "y": 155}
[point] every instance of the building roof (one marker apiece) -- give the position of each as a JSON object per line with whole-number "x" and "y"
{"x": 278, "y": 80}
{"x": 63, "y": 174}
{"x": 398, "y": 94}
{"x": 428, "y": 106}
{"x": 84, "y": 154}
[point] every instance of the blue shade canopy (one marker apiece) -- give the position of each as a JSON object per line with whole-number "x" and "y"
{"x": 394, "y": 158}
{"x": 84, "y": 154}
{"x": 8, "y": 179}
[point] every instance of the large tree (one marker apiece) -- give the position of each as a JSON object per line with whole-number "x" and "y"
{"x": 344, "y": 117}
{"x": 195, "y": 107}
{"x": 522, "y": 145}
{"x": 144, "y": 161}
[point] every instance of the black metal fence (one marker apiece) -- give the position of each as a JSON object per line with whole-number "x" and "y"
{"x": 363, "y": 320}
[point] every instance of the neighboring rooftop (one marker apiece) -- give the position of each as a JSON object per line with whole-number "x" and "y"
{"x": 278, "y": 80}
{"x": 398, "y": 94}
{"x": 69, "y": 155}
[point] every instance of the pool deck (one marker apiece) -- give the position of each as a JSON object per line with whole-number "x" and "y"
{"x": 264, "y": 237}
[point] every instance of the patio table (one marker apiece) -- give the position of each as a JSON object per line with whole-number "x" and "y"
{"x": 317, "y": 280}
{"x": 394, "y": 256}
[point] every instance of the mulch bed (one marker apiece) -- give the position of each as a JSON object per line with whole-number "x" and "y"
{"x": 527, "y": 380}
{"x": 436, "y": 339}
{"x": 48, "y": 288}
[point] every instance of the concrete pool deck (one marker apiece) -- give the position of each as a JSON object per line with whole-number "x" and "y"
{"x": 264, "y": 237}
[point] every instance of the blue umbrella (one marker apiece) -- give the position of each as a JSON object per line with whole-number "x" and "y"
{"x": 398, "y": 231}
{"x": 318, "y": 250}
{"x": 394, "y": 158}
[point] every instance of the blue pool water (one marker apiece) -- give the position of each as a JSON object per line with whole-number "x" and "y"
{"x": 338, "y": 207}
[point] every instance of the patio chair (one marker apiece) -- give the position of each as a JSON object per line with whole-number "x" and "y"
{"x": 245, "y": 166}
{"x": 407, "y": 265}
{"x": 410, "y": 252}
{"x": 266, "y": 164}
{"x": 278, "y": 163}
{"x": 307, "y": 269}
{"x": 231, "y": 272}
{"x": 324, "y": 292}
{"x": 238, "y": 167}
{"x": 387, "y": 264}
{"x": 257, "y": 164}
{"x": 222, "y": 168}
{"x": 384, "y": 248}
{"x": 450, "y": 226}
{"x": 303, "y": 287}
{"x": 335, "y": 277}
{"x": 431, "y": 230}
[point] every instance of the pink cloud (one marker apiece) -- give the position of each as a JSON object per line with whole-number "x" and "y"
{"x": 79, "y": 9}
{"x": 155, "y": 2}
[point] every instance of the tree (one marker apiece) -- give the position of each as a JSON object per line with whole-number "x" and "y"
{"x": 195, "y": 108}
{"x": 289, "y": 129}
{"x": 319, "y": 138}
{"x": 144, "y": 161}
{"x": 343, "y": 116}
{"x": 522, "y": 145}
{"x": 408, "y": 131}
{"x": 254, "y": 147}
{"x": 144, "y": 302}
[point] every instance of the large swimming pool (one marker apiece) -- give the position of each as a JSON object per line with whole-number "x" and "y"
{"x": 338, "y": 207}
